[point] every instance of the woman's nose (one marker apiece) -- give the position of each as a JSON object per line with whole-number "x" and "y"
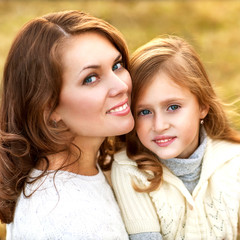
{"x": 118, "y": 84}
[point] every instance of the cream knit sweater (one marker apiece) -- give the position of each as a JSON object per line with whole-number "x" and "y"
{"x": 211, "y": 212}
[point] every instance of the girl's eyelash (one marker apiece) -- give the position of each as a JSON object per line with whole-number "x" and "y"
{"x": 173, "y": 107}
{"x": 144, "y": 112}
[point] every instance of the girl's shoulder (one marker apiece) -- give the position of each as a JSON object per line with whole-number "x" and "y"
{"x": 124, "y": 167}
{"x": 222, "y": 146}
{"x": 121, "y": 158}
{"x": 221, "y": 154}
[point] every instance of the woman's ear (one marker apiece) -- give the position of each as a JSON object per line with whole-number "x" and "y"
{"x": 55, "y": 116}
{"x": 203, "y": 111}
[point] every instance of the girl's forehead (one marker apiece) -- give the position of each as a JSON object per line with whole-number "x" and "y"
{"x": 162, "y": 87}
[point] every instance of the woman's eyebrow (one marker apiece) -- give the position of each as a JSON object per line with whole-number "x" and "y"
{"x": 119, "y": 56}
{"x": 95, "y": 66}
{"x": 89, "y": 66}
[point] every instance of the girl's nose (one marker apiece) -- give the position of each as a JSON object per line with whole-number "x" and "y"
{"x": 160, "y": 123}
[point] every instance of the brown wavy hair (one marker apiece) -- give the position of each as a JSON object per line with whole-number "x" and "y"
{"x": 31, "y": 86}
{"x": 176, "y": 58}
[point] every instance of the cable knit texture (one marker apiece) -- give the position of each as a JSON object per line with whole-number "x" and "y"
{"x": 69, "y": 206}
{"x": 146, "y": 236}
{"x": 211, "y": 212}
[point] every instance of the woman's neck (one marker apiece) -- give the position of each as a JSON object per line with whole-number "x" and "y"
{"x": 82, "y": 159}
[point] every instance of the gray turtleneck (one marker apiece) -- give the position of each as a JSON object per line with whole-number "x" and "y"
{"x": 188, "y": 170}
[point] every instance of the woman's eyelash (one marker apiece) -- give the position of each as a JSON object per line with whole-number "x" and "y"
{"x": 90, "y": 79}
{"x": 94, "y": 77}
{"x": 117, "y": 65}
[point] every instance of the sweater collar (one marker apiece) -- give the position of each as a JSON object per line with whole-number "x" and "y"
{"x": 218, "y": 152}
{"x": 190, "y": 168}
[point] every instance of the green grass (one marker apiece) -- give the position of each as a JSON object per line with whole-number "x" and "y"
{"x": 212, "y": 27}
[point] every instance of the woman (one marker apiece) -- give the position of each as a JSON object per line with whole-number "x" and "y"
{"x": 66, "y": 89}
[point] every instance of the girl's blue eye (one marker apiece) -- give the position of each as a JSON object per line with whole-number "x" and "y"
{"x": 144, "y": 112}
{"x": 117, "y": 65}
{"x": 173, "y": 107}
{"x": 89, "y": 80}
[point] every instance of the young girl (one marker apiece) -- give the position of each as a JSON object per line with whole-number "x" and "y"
{"x": 180, "y": 178}
{"x": 66, "y": 89}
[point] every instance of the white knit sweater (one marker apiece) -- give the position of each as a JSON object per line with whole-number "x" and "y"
{"x": 211, "y": 212}
{"x": 80, "y": 207}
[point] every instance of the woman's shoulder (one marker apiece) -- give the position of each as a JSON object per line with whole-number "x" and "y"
{"x": 48, "y": 182}
{"x": 59, "y": 187}
{"x": 50, "y": 194}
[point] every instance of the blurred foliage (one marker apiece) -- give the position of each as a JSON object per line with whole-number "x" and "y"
{"x": 2, "y": 231}
{"x": 212, "y": 27}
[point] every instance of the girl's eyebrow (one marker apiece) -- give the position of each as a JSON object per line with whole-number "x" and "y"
{"x": 164, "y": 102}
{"x": 119, "y": 56}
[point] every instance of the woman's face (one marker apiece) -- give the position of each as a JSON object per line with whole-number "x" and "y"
{"x": 95, "y": 96}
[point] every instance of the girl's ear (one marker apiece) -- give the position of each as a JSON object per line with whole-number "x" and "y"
{"x": 203, "y": 111}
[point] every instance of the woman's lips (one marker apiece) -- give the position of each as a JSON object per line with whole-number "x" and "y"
{"x": 120, "y": 109}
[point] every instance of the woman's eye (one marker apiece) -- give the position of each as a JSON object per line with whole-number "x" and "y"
{"x": 117, "y": 65}
{"x": 173, "y": 107}
{"x": 144, "y": 112}
{"x": 89, "y": 80}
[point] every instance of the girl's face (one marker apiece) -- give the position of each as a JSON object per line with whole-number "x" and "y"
{"x": 168, "y": 118}
{"x": 95, "y": 96}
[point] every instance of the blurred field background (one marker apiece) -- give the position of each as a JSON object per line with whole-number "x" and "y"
{"x": 212, "y": 27}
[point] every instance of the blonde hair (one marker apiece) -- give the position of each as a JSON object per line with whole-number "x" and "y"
{"x": 176, "y": 58}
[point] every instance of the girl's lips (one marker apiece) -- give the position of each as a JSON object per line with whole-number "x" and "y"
{"x": 120, "y": 109}
{"x": 164, "y": 141}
